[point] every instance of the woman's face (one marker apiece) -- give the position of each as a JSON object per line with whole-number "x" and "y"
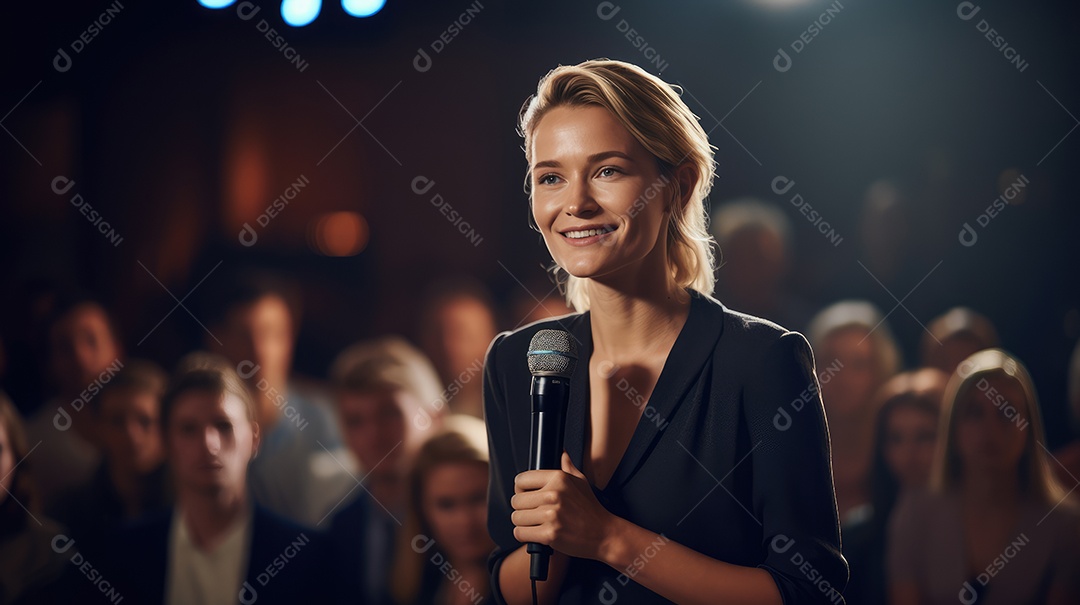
{"x": 850, "y": 389}
{"x": 598, "y": 196}
{"x": 455, "y": 507}
{"x": 991, "y": 425}
{"x": 910, "y": 436}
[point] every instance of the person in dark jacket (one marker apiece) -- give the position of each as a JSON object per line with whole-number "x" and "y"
{"x": 697, "y": 465}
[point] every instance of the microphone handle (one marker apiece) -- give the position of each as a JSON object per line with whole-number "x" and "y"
{"x": 550, "y": 395}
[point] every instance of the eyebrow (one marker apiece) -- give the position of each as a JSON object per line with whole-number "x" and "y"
{"x": 596, "y": 157}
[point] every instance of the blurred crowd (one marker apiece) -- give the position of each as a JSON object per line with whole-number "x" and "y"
{"x": 226, "y": 477}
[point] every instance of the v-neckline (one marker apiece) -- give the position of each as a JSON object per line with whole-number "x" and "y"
{"x": 696, "y": 339}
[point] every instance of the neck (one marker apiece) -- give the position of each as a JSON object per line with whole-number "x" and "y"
{"x": 209, "y": 514}
{"x": 637, "y": 316}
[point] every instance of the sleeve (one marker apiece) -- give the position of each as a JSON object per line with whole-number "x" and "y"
{"x": 902, "y": 546}
{"x": 503, "y": 470}
{"x": 793, "y": 494}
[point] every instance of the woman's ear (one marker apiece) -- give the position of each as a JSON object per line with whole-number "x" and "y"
{"x": 686, "y": 178}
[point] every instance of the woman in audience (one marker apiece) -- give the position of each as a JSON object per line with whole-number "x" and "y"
{"x": 905, "y": 434}
{"x": 28, "y": 564}
{"x": 443, "y": 550}
{"x": 855, "y": 354}
{"x": 996, "y": 527}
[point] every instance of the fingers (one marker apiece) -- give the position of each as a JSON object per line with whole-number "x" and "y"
{"x": 533, "y": 499}
{"x": 530, "y": 480}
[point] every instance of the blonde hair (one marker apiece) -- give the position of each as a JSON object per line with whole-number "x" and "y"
{"x": 463, "y": 439}
{"x": 1036, "y": 477}
{"x": 652, "y": 111}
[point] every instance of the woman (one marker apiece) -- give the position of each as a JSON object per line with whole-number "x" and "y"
{"x": 443, "y": 556}
{"x": 855, "y": 347}
{"x": 996, "y": 528}
{"x": 674, "y": 395}
{"x": 904, "y": 438}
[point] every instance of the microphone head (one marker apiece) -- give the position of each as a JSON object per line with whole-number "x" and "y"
{"x": 552, "y": 353}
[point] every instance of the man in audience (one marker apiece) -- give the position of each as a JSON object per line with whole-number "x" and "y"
{"x": 131, "y": 480}
{"x": 383, "y": 390}
{"x": 217, "y": 546}
{"x": 84, "y": 355}
{"x": 302, "y": 469}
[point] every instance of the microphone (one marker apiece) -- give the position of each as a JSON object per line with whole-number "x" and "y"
{"x": 552, "y": 356}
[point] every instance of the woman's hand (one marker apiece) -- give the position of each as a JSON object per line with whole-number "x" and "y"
{"x": 558, "y": 508}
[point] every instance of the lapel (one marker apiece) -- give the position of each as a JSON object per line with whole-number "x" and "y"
{"x": 692, "y": 348}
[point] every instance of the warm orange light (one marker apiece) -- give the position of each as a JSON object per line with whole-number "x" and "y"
{"x": 340, "y": 233}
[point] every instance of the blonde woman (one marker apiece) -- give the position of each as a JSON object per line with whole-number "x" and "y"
{"x": 442, "y": 556}
{"x": 996, "y": 527}
{"x": 697, "y": 457}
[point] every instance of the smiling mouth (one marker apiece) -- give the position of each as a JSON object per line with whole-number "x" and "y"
{"x": 583, "y": 233}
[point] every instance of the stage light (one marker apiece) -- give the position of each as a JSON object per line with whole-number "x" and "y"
{"x": 299, "y": 13}
{"x": 362, "y": 8}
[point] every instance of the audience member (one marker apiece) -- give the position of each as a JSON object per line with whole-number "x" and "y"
{"x": 388, "y": 401}
{"x": 457, "y": 324}
{"x": 29, "y": 566}
{"x": 302, "y": 469}
{"x": 855, "y": 354}
{"x": 996, "y": 527}
{"x": 905, "y": 435}
{"x": 217, "y": 546}
{"x": 84, "y": 355}
{"x": 132, "y": 479}
{"x": 954, "y": 336}
{"x": 755, "y": 258}
{"x": 442, "y": 554}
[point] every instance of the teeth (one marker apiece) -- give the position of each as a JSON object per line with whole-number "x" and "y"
{"x": 585, "y": 233}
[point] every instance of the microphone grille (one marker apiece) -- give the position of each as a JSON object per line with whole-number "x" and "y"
{"x": 552, "y": 353}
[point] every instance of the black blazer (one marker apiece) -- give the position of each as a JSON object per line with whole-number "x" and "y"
{"x": 730, "y": 457}
{"x": 296, "y": 556}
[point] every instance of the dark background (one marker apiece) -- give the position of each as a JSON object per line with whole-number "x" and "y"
{"x": 179, "y": 124}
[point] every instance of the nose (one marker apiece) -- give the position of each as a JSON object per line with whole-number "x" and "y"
{"x": 212, "y": 440}
{"x": 581, "y": 201}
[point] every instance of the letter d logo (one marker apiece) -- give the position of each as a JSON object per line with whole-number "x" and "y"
{"x": 64, "y": 64}
{"x": 967, "y": 236}
{"x": 422, "y": 61}
{"x": 248, "y": 595}
{"x": 607, "y": 10}
{"x": 247, "y": 236}
{"x": 966, "y": 10}
{"x": 782, "y": 62}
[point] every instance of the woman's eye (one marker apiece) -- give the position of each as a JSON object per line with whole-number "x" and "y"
{"x": 609, "y": 171}
{"x": 548, "y": 179}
